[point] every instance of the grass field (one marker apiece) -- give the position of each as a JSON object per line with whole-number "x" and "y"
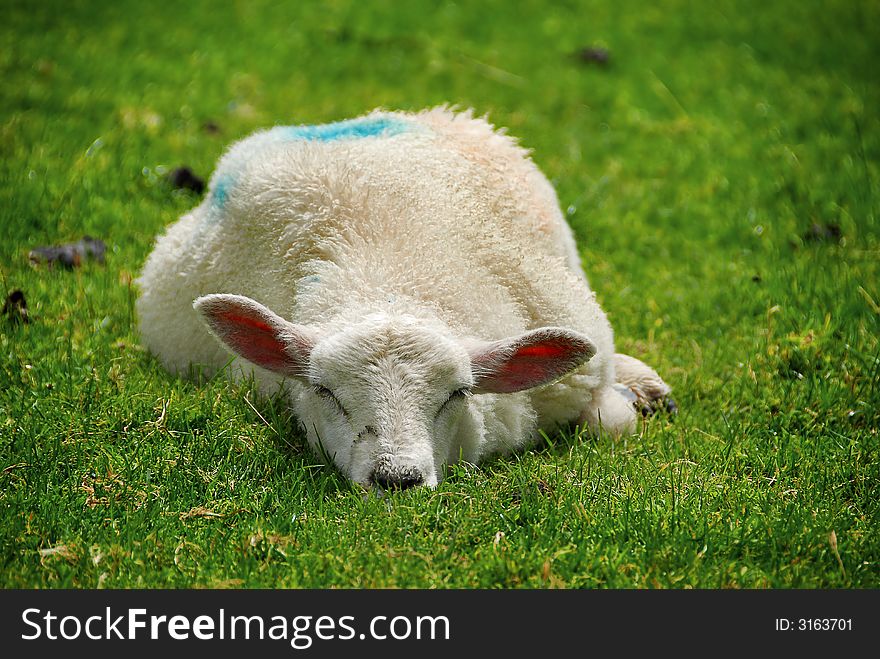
{"x": 721, "y": 175}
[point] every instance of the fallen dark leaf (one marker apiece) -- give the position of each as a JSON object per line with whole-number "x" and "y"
{"x": 70, "y": 255}
{"x": 594, "y": 55}
{"x": 16, "y": 306}
{"x": 183, "y": 178}
{"x": 822, "y": 232}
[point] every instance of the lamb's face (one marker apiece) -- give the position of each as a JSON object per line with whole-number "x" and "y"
{"x": 384, "y": 399}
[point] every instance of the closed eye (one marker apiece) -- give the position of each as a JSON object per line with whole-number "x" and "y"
{"x": 329, "y": 396}
{"x": 455, "y": 396}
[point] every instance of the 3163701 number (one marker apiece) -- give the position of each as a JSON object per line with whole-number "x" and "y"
{"x": 824, "y": 624}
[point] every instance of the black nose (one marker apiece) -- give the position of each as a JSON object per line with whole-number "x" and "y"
{"x": 397, "y": 479}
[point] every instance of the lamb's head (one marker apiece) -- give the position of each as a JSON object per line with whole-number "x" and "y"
{"x": 389, "y": 399}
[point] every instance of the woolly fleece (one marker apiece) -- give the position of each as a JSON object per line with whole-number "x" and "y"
{"x": 434, "y": 215}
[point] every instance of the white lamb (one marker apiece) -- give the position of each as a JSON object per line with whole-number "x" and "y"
{"x": 410, "y": 278}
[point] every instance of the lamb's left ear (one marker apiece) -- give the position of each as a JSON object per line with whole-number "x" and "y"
{"x": 529, "y": 360}
{"x": 257, "y": 334}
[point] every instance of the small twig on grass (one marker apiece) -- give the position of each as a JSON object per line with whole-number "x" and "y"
{"x": 199, "y": 511}
{"x": 664, "y": 93}
{"x": 262, "y": 418}
{"x": 495, "y": 73}
{"x": 832, "y": 540}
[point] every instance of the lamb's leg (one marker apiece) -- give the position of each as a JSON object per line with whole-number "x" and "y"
{"x": 610, "y": 411}
{"x": 647, "y": 390}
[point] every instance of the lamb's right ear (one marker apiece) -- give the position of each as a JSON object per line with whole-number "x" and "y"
{"x": 254, "y": 332}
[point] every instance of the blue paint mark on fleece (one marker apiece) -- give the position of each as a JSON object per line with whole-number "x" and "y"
{"x": 220, "y": 193}
{"x": 349, "y": 129}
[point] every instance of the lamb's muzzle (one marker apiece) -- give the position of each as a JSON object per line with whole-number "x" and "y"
{"x": 397, "y": 479}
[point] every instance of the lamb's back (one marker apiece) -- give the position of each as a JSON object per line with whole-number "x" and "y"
{"x": 435, "y": 210}
{"x": 437, "y": 205}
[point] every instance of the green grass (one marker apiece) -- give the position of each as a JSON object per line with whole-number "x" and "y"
{"x": 692, "y": 168}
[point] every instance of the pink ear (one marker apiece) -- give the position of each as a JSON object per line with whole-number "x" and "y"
{"x": 256, "y": 333}
{"x": 532, "y": 359}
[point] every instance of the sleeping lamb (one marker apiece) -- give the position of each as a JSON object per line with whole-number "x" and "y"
{"x": 408, "y": 279}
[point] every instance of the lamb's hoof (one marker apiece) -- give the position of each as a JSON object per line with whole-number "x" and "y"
{"x": 650, "y": 408}
{"x": 650, "y": 402}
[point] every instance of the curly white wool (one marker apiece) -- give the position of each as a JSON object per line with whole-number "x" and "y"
{"x": 431, "y": 220}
